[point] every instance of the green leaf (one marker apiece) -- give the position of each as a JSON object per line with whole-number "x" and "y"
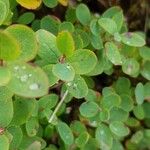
{"x": 27, "y": 41}
{"x": 117, "y": 145}
{"x": 3, "y": 12}
{"x": 145, "y": 52}
{"x": 146, "y": 107}
{"x": 4, "y": 142}
{"x": 83, "y": 14}
{"x": 108, "y": 25}
{"x": 47, "y": 46}
{"x": 146, "y": 90}
{"x": 118, "y": 114}
{"x": 78, "y": 87}
{"x": 127, "y": 102}
{"x": 137, "y": 137}
{"x": 130, "y": 66}
{"x": 65, "y": 43}
{"x": 70, "y": 15}
{"x": 119, "y": 129}
{"x": 5, "y": 76}
{"x": 47, "y": 101}
{"x": 132, "y": 39}
{"x": 6, "y": 112}
{"x": 82, "y": 139}
{"x": 50, "y": 24}
{"x": 51, "y": 3}
{"x": 139, "y": 93}
{"x": 89, "y": 109}
{"x": 17, "y": 134}
{"x": 77, "y": 127}
{"x": 64, "y": 71}
{"x": 145, "y": 72}
{"x": 27, "y": 80}
{"x": 52, "y": 78}
{"x": 139, "y": 113}
{"x": 115, "y": 13}
{"x": 65, "y": 133}
{"x": 113, "y": 54}
{"x": 32, "y": 126}
{"x": 9, "y": 47}
{"x": 94, "y": 27}
{"x": 96, "y": 41}
{"x": 23, "y": 109}
{"x": 83, "y": 61}
{"x": 110, "y": 101}
{"x": 104, "y": 137}
{"x": 66, "y": 26}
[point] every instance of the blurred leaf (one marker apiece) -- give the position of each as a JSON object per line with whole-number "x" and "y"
{"x": 66, "y": 26}
{"x": 30, "y": 4}
{"x": 132, "y": 39}
{"x": 145, "y": 71}
{"x": 27, "y": 41}
{"x": 108, "y": 25}
{"x": 104, "y": 137}
{"x": 65, "y": 133}
{"x": 4, "y": 142}
{"x": 139, "y": 93}
{"x": 83, "y": 14}
{"x": 145, "y": 52}
{"x": 9, "y": 47}
{"x": 89, "y": 109}
{"x": 119, "y": 128}
{"x": 112, "y": 53}
{"x": 3, "y": 12}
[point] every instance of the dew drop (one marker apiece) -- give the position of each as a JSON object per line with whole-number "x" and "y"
{"x": 16, "y": 68}
{"x": 34, "y": 86}
{"x": 128, "y": 42}
{"x": 24, "y": 78}
{"x": 74, "y": 85}
{"x": 68, "y": 66}
{"x": 69, "y": 83}
{"x": 30, "y": 75}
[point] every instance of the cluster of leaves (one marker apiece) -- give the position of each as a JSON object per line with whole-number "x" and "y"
{"x": 65, "y": 56}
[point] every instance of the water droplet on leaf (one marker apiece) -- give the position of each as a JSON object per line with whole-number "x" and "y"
{"x": 34, "y": 86}
{"x": 24, "y": 78}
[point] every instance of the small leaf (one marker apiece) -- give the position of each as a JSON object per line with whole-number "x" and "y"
{"x": 4, "y": 142}
{"x": 26, "y": 39}
{"x": 3, "y": 12}
{"x": 145, "y": 52}
{"x": 94, "y": 27}
{"x": 47, "y": 46}
{"x": 89, "y": 109}
{"x": 139, "y": 112}
{"x": 119, "y": 129}
{"x": 32, "y": 126}
{"x": 65, "y": 133}
{"x": 108, "y": 25}
{"x": 6, "y": 112}
{"x": 64, "y": 71}
{"x": 145, "y": 72}
{"x": 110, "y": 101}
{"x": 78, "y": 87}
{"x": 63, "y": 2}
{"x": 9, "y": 47}
{"x": 65, "y": 43}
{"x": 66, "y": 26}
{"x": 5, "y": 76}
{"x": 23, "y": 109}
{"x": 52, "y": 78}
{"x": 17, "y": 134}
{"x": 96, "y": 42}
{"x": 83, "y": 14}
{"x": 83, "y": 61}
{"x": 50, "y": 3}
{"x": 113, "y": 53}
{"x": 82, "y": 139}
{"x": 137, "y": 137}
{"x": 132, "y": 39}
{"x": 130, "y": 66}
{"x": 26, "y": 18}
{"x": 28, "y": 81}
{"x": 116, "y": 14}
{"x": 104, "y": 137}
{"x": 139, "y": 93}
{"x": 30, "y": 4}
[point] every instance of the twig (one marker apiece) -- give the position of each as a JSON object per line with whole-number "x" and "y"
{"x": 58, "y": 106}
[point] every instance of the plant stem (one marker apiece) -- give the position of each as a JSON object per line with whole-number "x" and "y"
{"x": 58, "y": 106}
